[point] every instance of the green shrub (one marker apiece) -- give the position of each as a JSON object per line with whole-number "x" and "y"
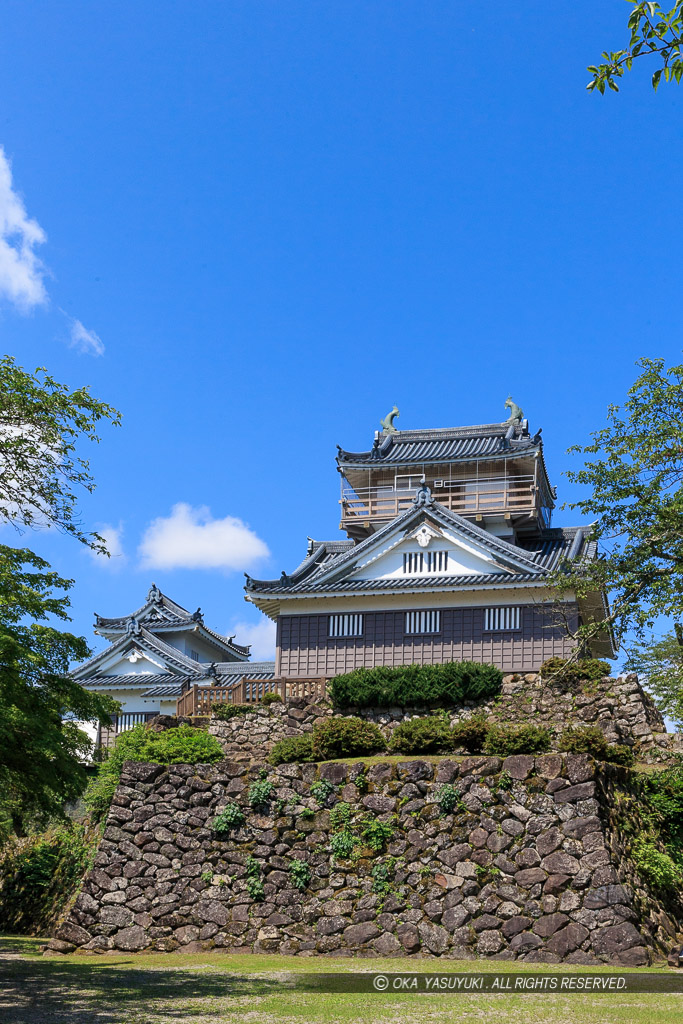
{"x": 226, "y": 711}
{"x": 40, "y": 874}
{"x": 420, "y": 736}
{"x": 292, "y": 749}
{"x": 415, "y": 685}
{"x": 524, "y": 739}
{"x": 382, "y": 875}
{"x": 589, "y": 739}
{"x": 345, "y": 737}
{"x": 232, "y": 816}
{"x": 585, "y": 670}
{"x": 184, "y": 745}
{"x": 271, "y": 698}
{"x": 620, "y": 753}
{"x": 300, "y": 873}
{"x": 657, "y": 867}
{"x": 470, "y": 733}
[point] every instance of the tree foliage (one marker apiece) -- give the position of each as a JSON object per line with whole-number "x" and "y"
{"x": 41, "y": 746}
{"x": 660, "y": 661}
{"x": 41, "y": 425}
{"x": 653, "y": 32}
{"x": 634, "y": 475}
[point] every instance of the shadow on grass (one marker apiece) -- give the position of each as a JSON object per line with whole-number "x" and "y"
{"x": 35, "y": 991}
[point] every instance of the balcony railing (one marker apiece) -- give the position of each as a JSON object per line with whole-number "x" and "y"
{"x": 200, "y": 700}
{"x": 466, "y": 497}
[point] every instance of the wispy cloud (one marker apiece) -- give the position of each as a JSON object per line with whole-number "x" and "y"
{"x": 113, "y": 538}
{"x": 261, "y": 637}
{"x": 191, "y": 539}
{"x": 21, "y": 271}
{"x": 84, "y": 340}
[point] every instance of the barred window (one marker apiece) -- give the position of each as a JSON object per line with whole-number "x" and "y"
{"x": 423, "y": 622}
{"x": 425, "y": 561}
{"x": 194, "y": 655}
{"x": 345, "y": 625}
{"x": 498, "y": 619}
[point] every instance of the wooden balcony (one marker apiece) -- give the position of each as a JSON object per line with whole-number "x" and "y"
{"x": 473, "y": 497}
{"x": 200, "y": 700}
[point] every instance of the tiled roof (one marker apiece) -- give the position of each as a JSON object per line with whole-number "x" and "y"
{"x": 170, "y": 690}
{"x": 530, "y": 560}
{"x": 225, "y": 673}
{"x": 451, "y": 444}
{"x": 147, "y": 641}
{"x": 160, "y": 614}
{"x": 134, "y": 679}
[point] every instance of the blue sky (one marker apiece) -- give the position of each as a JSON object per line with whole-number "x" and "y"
{"x": 278, "y": 220}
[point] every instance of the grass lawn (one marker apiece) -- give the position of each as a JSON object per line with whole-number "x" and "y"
{"x": 207, "y": 988}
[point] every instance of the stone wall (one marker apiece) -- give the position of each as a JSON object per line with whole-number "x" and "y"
{"x": 621, "y": 708}
{"x": 528, "y": 865}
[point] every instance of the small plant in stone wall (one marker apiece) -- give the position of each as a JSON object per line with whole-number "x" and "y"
{"x": 255, "y": 886}
{"x": 505, "y": 782}
{"x": 230, "y": 817}
{"x": 376, "y": 834}
{"x": 448, "y": 798}
{"x": 382, "y": 875}
{"x": 360, "y": 780}
{"x": 340, "y": 815}
{"x": 343, "y": 844}
{"x": 300, "y": 873}
{"x": 271, "y": 698}
{"x": 260, "y": 792}
{"x": 657, "y": 867}
{"x": 321, "y": 791}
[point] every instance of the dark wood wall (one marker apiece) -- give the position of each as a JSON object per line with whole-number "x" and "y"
{"x": 304, "y": 649}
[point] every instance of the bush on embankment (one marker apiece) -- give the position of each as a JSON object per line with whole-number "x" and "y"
{"x": 40, "y": 873}
{"x": 416, "y": 685}
{"x": 184, "y": 745}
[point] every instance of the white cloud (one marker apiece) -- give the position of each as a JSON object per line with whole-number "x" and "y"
{"x": 261, "y": 637}
{"x": 113, "y": 539}
{"x": 190, "y": 539}
{"x": 84, "y": 340}
{"x": 21, "y": 271}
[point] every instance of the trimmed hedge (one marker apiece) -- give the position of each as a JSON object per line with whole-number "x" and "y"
{"x": 421, "y": 736}
{"x": 292, "y": 750}
{"x": 504, "y": 740}
{"x": 346, "y": 737}
{"x": 585, "y": 670}
{"x": 225, "y": 711}
{"x": 471, "y": 734}
{"x": 416, "y": 685}
{"x": 589, "y": 739}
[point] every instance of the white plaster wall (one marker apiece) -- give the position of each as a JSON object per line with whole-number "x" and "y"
{"x": 475, "y": 598}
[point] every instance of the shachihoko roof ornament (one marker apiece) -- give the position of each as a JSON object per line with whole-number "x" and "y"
{"x": 516, "y": 411}
{"x": 387, "y": 424}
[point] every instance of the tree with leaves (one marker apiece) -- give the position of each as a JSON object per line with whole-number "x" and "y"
{"x": 42, "y": 748}
{"x": 660, "y": 661}
{"x": 634, "y": 474}
{"x": 654, "y": 32}
{"x": 42, "y": 423}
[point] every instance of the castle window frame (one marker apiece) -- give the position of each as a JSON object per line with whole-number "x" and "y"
{"x": 502, "y": 619}
{"x": 416, "y": 562}
{"x": 425, "y": 622}
{"x": 344, "y": 625}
